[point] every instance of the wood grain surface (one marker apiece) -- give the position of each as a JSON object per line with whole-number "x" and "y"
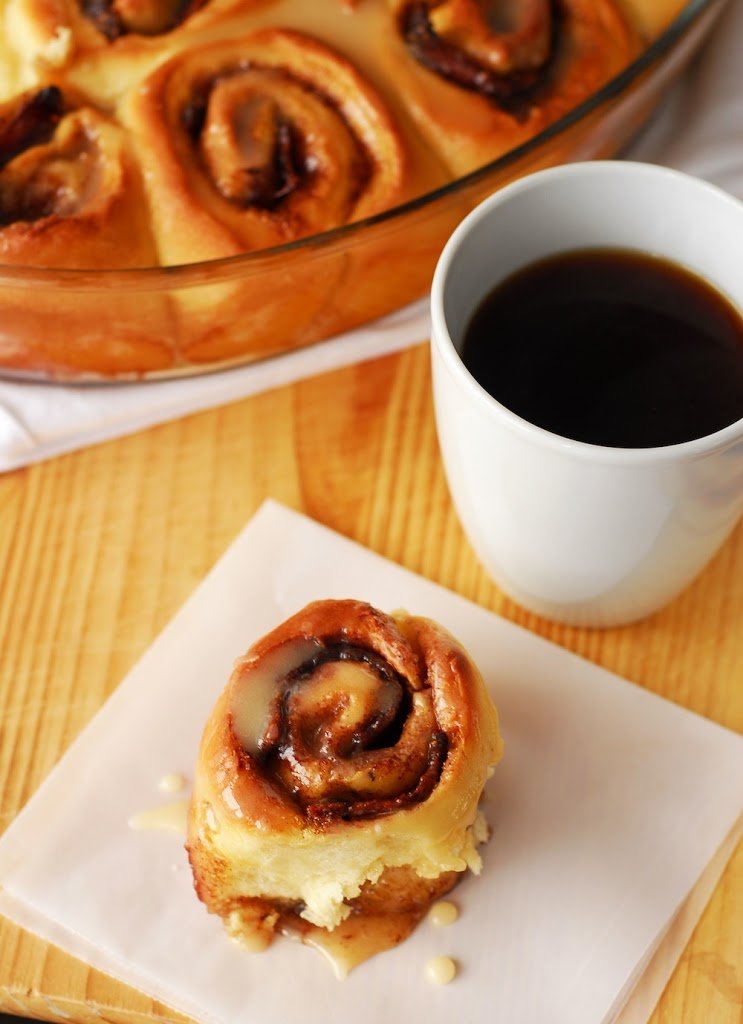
{"x": 98, "y": 549}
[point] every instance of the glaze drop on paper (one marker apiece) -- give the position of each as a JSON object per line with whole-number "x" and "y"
{"x": 443, "y": 913}
{"x": 168, "y": 818}
{"x": 440, "y": 970}
{"x": 174, "y": 782}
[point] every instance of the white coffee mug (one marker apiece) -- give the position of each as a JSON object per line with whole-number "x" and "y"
{"x": 577, "y": 532}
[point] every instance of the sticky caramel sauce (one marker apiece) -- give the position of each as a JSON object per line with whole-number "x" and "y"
{"x": 356, "y": 939}
{"x": 372, "y": 928}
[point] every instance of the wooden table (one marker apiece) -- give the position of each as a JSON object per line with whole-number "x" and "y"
{"x": 98, "y": 549}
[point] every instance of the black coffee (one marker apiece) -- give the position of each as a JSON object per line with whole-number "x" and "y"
{"x": 611, "y": 347}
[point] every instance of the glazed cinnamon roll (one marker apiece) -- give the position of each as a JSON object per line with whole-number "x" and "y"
{"x": 253, "y": 142}
{"x": 338, "y": 779}
{"x": 70, "y": 197}
{"x": 481, "y": 78}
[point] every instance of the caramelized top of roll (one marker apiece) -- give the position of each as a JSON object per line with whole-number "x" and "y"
{"x": 509, "y": 52}
{"x": 340, "y": 770}
{"x": 31, "y": 122}
{"x": 70, "y": 192}
{"x": 499, "y": 51}
{"x": 337, "y": 711}
{"x": 262, "y": 135}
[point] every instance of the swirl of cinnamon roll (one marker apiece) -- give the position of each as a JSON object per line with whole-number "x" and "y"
{"x": 253, "y": 142}
{"x": 260, "y": 140}
{"x": 338, "y": 779}
{"x": 71, "y": 197}
{"x": 454, "y": 38}
{"x": 482, "y": 77}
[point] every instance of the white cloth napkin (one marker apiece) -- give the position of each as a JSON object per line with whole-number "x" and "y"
{"x": 700, "y": 130}
{"x": 607, "y": 808}
{"x": 38, "y": 421}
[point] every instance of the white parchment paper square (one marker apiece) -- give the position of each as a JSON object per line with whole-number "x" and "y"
{"x": 606, "y": 810}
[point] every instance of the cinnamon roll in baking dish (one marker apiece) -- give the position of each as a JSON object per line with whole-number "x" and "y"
{"x": 253, "y": 142}
{"x": 70, "y": 188}
{"x": 480, "y": 79}
{"x": 233, "y": 126}
{"x": 260, "y": 140}
{"x": 71, "y": 197}
{"x": 338, "y": 779}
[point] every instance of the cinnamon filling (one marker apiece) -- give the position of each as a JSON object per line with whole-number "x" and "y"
{"x": 269, "y": 140}
{"x": 349, "y": 738}
{"x": 115, "y": 18}
{"x": 48, "y": 166}
{"x": 250, "y": 148}
{"x": 58, "y": 185}
{"x": 33, "y": 124}
{"x": 461, "y": 40}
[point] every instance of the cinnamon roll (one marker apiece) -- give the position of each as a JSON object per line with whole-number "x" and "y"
{"x": 252, "y": 142}
{"x": 480, "y": 79}
{"x": 70, "y": 190}
{"x": 51, "y": 35}
{"x": 338, "y": 778}
{"x": 71, "y": 197}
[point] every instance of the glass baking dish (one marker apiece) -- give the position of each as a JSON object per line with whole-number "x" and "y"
{"x": 76, "y": 325}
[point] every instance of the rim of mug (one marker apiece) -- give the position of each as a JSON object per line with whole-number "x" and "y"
{"x": 442, "y": 341}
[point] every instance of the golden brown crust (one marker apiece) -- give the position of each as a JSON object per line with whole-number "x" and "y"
{"x": 308, "y": 804}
